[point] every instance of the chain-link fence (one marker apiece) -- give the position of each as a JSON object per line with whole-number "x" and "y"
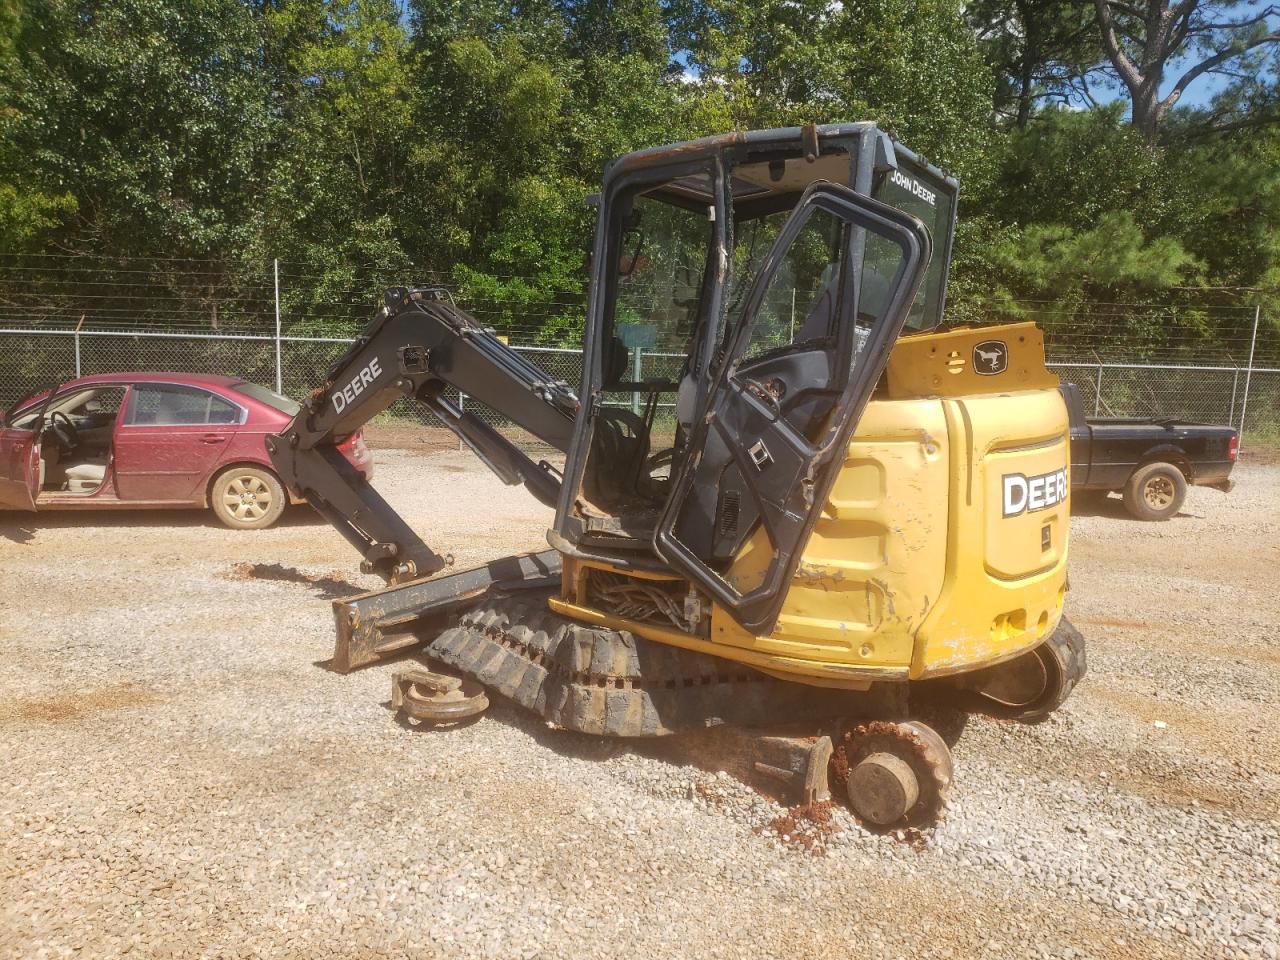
{"x": 282, "y": 327}
{"x": 38, "y": 358}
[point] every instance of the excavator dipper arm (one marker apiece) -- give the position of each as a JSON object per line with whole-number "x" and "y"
{"x": 418, "y": 345}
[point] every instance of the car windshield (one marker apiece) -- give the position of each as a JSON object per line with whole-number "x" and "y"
{"x": 269, "y": 397}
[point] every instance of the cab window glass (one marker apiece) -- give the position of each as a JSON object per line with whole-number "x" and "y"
{"x": 664, "y": 249}
{"x": 913, "y": 192}
{"x": 166, "y": 405}
{"x": 91, "y": 408}
{"x": 799, "y": 305}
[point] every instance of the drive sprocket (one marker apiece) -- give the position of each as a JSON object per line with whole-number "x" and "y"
{"x": 894, "y": 774}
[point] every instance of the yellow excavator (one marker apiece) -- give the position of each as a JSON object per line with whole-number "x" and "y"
{"x": 831, "y": 504}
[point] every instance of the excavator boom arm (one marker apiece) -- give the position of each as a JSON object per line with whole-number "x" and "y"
{"x": 419, "y": 345}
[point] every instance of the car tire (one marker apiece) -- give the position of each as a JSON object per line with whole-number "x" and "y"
{"x": 247, "y": 498}
{"x": 1155, "y": 491}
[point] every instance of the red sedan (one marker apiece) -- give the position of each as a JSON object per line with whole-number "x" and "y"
{"x": 151, "y": 440}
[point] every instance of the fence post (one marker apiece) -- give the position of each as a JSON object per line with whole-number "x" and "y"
{"x": 279, "y": 370}
{"x": 1097, "y": 392}
{"x": 77, "y": 337}
{"x": 1248, "y": 376}
{"x": 1235, "y": 383}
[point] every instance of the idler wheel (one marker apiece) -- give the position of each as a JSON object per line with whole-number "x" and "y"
{"x": 436, "y": 698}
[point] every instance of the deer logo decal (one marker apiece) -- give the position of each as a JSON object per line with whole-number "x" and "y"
{"x": 990, "y": 357}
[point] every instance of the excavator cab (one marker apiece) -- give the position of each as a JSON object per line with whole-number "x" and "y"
{"x": 766, "y": 261}
{"x": 825, "y": 504}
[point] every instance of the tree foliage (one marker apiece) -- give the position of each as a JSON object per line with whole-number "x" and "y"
{"x": 1193, "y": 38}
{"x": 369, "y": 143}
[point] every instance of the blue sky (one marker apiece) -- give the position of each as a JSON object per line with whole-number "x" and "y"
{"x": 1204, "y": 88}
{"x": 1198, "y": 94}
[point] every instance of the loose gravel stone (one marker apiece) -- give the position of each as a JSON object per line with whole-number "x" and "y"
{"x": 183, "y": 778}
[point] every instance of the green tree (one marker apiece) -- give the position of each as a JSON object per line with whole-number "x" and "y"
{"x": 147, "y": 115}
{"x": 914, "y": 67}
{"x": 518, "y": 111}
{"x": 1037, "y": 47}
{"x": 338, "y": 198}
{"x": 1193, "y": 38}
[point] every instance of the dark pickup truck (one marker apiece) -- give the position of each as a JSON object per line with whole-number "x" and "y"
{"x": 1150, "y": 461}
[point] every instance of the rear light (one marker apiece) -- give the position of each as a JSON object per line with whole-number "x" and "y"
{"x": 1233, "y": 447}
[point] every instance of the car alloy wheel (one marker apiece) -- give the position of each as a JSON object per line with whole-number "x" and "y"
{"x": 247, "y": 497}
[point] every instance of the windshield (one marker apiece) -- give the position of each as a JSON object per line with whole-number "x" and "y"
{"x": 269, "y": 397}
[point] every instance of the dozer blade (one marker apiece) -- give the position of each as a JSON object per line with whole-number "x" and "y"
{"x": 393, "y": 620}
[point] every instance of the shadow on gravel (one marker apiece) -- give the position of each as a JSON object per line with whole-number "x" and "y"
{"x": 19, "y": 533}
{"x": 948, "y": 719}
{"x": 23, "y": 531}
{"x": 1113, "y": 509}
{"x": 725, "y": 748}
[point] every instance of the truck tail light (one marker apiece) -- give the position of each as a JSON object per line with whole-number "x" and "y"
{"x": 1233, "y": 447}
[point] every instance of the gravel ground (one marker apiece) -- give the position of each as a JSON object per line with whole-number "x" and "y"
{"x": 181, "y": 778}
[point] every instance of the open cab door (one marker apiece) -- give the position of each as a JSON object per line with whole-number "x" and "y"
{"x": 799, "y": 362}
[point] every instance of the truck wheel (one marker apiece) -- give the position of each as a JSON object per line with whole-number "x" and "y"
{"x": 247, "y": 498}
{"x": 1155, "y": 491}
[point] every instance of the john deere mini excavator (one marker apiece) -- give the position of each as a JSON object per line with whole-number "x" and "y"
{"x": 833, "y": 503}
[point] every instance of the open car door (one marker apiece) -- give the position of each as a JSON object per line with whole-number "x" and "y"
{"x": 20, "y": 462}
{"x": 799, "y": 364}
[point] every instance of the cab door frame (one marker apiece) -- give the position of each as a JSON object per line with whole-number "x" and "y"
{"x": 789, "y": 475}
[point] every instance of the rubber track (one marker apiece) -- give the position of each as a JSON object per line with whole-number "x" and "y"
{"x": 610, "y": 682}
{"x": 1069, "y": 644}
{"x": 1066, "y": 646}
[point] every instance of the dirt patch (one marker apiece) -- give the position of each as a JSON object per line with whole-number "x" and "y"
{"x": 425, "y": 438}
{"x": 1238, "y": 735}
{"x": 1261, "y": 451}
{"x": 416, "y": 437}
{"x": 78, "y": 705}
{"x": 808, "y": 826}
{"x": 332, "y": 585}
